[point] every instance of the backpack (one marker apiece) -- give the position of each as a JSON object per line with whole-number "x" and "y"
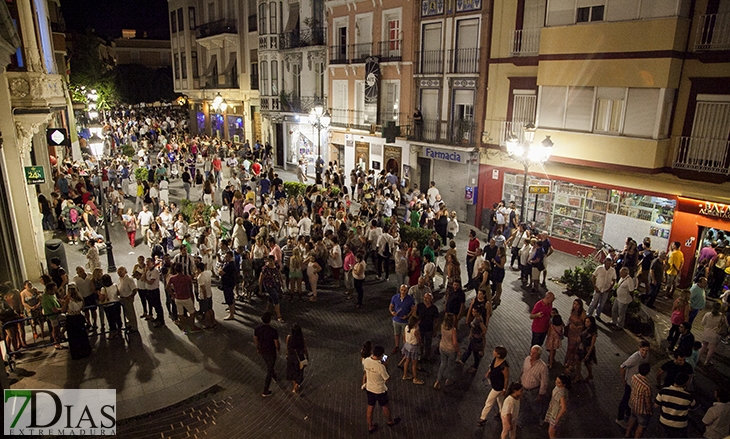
{"x": 73, "y": 215}
{"x": 386, "y": 250}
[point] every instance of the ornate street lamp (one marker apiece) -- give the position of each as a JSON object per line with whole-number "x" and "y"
{"x": 219, "y": 104}
{"x": 320, "y": 119}
{"x": 528, "y": 154}
{"x": 96, "y": 144}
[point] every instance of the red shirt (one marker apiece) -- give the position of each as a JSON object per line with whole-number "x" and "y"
{"x": 256, "y": 168}
{"x": 217, "y": 164}
{"x": 541, "y": 324}
{"x": 182, "y": 285}
{"x": 473, "y": 246}
{"x": 350, "y": 261}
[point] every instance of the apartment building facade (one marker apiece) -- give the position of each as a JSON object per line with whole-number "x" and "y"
{"x": 34, "y": 103}
{"x": 633, "y": 94}
{"x": 214, "y": 53}
{"x": 292, "y": 76}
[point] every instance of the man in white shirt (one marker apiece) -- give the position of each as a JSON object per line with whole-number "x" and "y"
{"x": 385, "y": 245}
{"x": 335, "y": 260}
{"x": 478, "y": 261}
{"x": 603, "y": 278}
{"x": 535, "y": 381}
{"x": 431, "y": 193}
{"x": 152, "y": 280}
{"x": 717, "y": 417}
{"x": 623, "y": 298}
{"x": 144, "y": 219}
{"x": 205, "y": 295}
{"x": 127, "y": 291}
{"x": 305, "y": 225}
{"x": 86, "y": 291}
{"x": 388, "y": 207}
{"x": 377, "y": 392}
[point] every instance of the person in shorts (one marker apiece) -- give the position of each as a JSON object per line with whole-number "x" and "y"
{"x": 402, "y": 306}
{"x": 640, "y": 402}
{"x": 376, "y": 374}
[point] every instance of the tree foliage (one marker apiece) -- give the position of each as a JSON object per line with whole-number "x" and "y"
{"x": 90, "y": 72}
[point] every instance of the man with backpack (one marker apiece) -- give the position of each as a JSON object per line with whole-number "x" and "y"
{"x": 71, "y": 215}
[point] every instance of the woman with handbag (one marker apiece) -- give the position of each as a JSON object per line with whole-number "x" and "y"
{"x": 297, "y": 357}
{"x": 680, "y": 314}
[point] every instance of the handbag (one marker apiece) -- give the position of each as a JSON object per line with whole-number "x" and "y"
{"x": 303, "y": 362}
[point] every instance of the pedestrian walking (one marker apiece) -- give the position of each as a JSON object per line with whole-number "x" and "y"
{"x": 534, "y": 378}
{"x": 674, "y": 404}
{"x": 511, "y": 411}
{"x": 628, "y": 369}
{"x": 498, "y": 377}
{"x": 266, "y": 340}
{"x": 297, "y": 357}
{"x": 376, "y": 375}
{"x": 603, "y": 278}
{"x": 558, "y": 406}
{"x": 449, "y": 349}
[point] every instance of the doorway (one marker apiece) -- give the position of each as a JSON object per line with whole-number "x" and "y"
{"x": 279, "y": 138}
{"x": 715, "y": 268}
{"x": 424, "y": 169}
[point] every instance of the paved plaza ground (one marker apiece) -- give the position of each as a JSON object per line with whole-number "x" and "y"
{"x": 209, "y": 383}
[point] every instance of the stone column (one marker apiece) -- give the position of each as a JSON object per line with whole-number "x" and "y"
{"x": 28, "y": 33}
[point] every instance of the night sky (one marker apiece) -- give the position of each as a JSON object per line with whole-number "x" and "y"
{"x": 109, "y": 17}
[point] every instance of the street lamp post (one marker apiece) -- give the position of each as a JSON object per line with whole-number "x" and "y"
{"x": 96, "y": 144}
{"x": 527, "y": 155}
{"x": 219, "y": 105}
{"x": 320, "y": 119}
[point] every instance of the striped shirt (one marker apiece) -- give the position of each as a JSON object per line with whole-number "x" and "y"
{"x": 674, "y": 403}
{"x": 535, "y": 375}
{"x": 640, "y": 401}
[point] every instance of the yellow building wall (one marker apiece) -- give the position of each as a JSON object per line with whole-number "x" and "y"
{"x": 612, "y": 37}
{"x": 640, "y": 72}
{"x": 503, "y": 27}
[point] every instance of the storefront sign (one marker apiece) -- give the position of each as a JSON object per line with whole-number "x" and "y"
{"x": 538, "y": 189}
{"x": 705, "y": 208}
{"x": 35, "y": 175}
{"x": 57, "y": 137}
{"x": 445, "y": 155}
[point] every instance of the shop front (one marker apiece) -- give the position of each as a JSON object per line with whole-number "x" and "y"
{"x": 696, "y": 224}
{"x": 453, "y": 170}
{"x": 578, "y": 215}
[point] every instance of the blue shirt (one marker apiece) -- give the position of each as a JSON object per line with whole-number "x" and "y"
{"x": 265, "y": 185}
{"x": 402, "y": 308}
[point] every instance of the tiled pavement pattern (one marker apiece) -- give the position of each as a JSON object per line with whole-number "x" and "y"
{"x": 163, "y": 371}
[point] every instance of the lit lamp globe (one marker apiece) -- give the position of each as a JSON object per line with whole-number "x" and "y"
{"x": 96, "y": 144}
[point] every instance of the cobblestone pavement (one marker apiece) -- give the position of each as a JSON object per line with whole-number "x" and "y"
{"x": 209, "y": 383}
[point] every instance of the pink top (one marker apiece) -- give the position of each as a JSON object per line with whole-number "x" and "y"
{"x": 541, "y": 324}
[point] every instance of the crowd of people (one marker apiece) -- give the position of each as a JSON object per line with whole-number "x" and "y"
{"x": 253, "y": 240}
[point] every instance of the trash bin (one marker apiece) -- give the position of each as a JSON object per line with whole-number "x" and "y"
{"x": 55, "y": 249}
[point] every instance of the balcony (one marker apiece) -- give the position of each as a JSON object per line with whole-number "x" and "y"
{"x": 525, "y": 42}
{"x": 390, "y": 50}
{"x": 338, "y": 54}
{"x": 303, "y": 38}
{"x": 713, "y": 32}
{"x": 218, "y": 27}
{"x": 360, "y": 52}
{"x": 514, "y": 127}
{"x": 455, "y": 132}
{"x": 366, "y": 120}
{"x": 430, "y": 62}
{"x": 300, "y": 104}
{"x": 702, "y": 155}
{"x": 464, "y": 60}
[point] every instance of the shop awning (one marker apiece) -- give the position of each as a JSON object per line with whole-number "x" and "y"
{"x": 291, "y": 24}
{"x": 211, "y": 66}
{"x": 230, "y": 65}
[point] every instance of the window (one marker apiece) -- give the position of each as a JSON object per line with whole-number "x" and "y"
{"x": 578, "y": 114}
{"x": 264, "y": 70}
{"x": 273, "y": 19}
{"x": 254, "y": 76}
{"x": 252, "y": 19}
{"x": 194, "y": 63}
{"x": 191, "y": 18}
{"x": 552, "y": 107}
{"x": 524, "y": 103}
{"x": 173, "y": 22}
{"x": 339, "y": 101}
{"x": 641, "y": 112}
{"x": 390, "y": 102}
{"x": 180, "y": 20}
{"x": 262, "y": 18}
{"x": 176, "y": 72}
{"x": 274, "y": 78}
{"x": 184, "y": 66}
{"x": 589, "y": 13}
{"x": 609, "y": 109}
{"x": 319, "y": 80}
{"x": 297, "y": 85}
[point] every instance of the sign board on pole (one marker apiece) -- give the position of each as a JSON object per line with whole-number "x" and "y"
{"x": 539, "y": 189}
{"x": 35, "y": 175}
